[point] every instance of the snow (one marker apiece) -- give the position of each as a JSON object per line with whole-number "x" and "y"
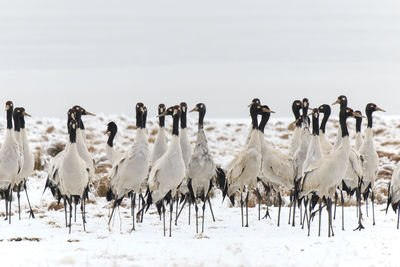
{"x": 224, "y": 242}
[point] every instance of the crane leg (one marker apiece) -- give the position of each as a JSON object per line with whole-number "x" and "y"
{"x": 319, "y": 220}
{"x": 70, "y": 213}
{"x": 9, "y": 211}
{"x": 163, "y": 213}
{"x": 179, "y": 213}
{"x": 65, "y": 211}
{"x": 342, "y": 200}
{"x": 176, "y": 210}
{"x": 373, "y": 211}
{"x": 197, "y": 218}
{"x": 112, "y": 212}
{"x": 247, "y": 209}
{"x": 133, "y": 203}
{"x": 202, "y": 222}
{"x": 290, "y": 206}
{"x": 241, "y": 208}
{"x": 171, "y": 210}
{"x": 19, "y": 203}
{"x": 209, "y": 203}
{"x": 398, "y": 214}
{"x": 279, "y": 209}
{"x": 259, "y": 204}
{"x": 336, "y": 199}
{"x": 29, "y": 203}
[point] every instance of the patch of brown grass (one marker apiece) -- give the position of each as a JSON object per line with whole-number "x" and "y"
{"x": 154, "y": 132}
{"x": 102, "y": 186}
{"x": 211, "y": 128}
{"x": 50, "y": 129}
{"x": 54, "y": 206}
{"x": 379, "y": 131}
{"x": 18, "y": 239}
{"x": 152, "y": 140}
{"x": 385, "y": 174}
{"x": 291, "y": 127}
{"x": 92, "y": 149}
{"x": 55, "y": 149}
{"x": 280, "y": 129}
{"x": 285, "y": 136}
{"x": 391, "y": 156}
{"x": 38, "y": 162}
{"x": 387, "y": 143}
{"x": 131, "y": 127}
{"x": 222, "y": 138}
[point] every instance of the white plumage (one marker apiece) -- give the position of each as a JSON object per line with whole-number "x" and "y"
{"x": 112, "y": 154}
{"x": 161, "y": 143}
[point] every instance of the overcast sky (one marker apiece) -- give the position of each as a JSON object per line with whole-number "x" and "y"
{"x": 108, "y": 55}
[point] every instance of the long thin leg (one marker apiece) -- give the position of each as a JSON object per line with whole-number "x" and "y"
{"x": 342, "y": 200}
{"x": 209, "y": 203}
{"x": 6, "y": 201}
{"x": 247, "y": 209}
{"x": 305, "y": 217}
{"x": 279, "y": 209}
{"x": 9, "y": 212}
{"x": 19, "y": 203}
{"x": 373, "y": 211}
{"x": 112, "y": 212}
{"x": 329, "y": 216}
{"x": 133, "y": 203}
{"x": 163, "y": 212}
{"x": 29, "y": 203}
{"x": 179, "y": 213}
{"x": 259, "y": 204}
{"x": 398, "y": 214}
{"x": 171, "y": 210}
{"x": 358, "y": 195}
{"x": 294, "y": 210}
{"x": 241, "y": 208}
{"x": 202, "y": 221}
{"x": 301, "y": 214}
{"x": 309, "y": 219}
{"x": 197, "y": 218}
{"x": 176, "y": 210}
{"x": 336, "y": 199}
{"x": 65, "y": 210}
{"x": 319, "y": 219}
{"x": 290, "y": 207}
{"x": 83, "y": 214}
{"x": 190, "y": 207}
{"x": 366, "y": 206}
{"x": 330, "y": 213}
{"x": 75, "y": 200}
{"x": 143, "y": 206}
{"x": 70, "y": 212}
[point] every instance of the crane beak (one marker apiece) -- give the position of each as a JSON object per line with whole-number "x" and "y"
{"x": 107, "y": 133}
{"x": 310, "y": 108}
{"x": 380, "y": 109}
{"x": 296, "y": 121}
{"x": 26, "y": 114}
{"x": 336, "y": 102}
{"x": 91, "y": 114}
{"x": 161, "y": 115}
{"x": 7, "y": 107}
{"x": 267, "y": 110}
{"x": 194, "y": 109}
{"x": 355, "y": 114}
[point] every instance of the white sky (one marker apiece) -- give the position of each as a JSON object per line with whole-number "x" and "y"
{"x": 107, "y": 55}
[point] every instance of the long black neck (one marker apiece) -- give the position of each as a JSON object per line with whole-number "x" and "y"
{"x": 183, "y": 119}
{"x": 16, "y": 122}
{"x": 343, "y": 124}
{"x": 9, "y": 118}
{"x": 161, "y": 121}
{"x": 111, "y": 138}
{"x": 72, "y": 135}
{"x": 202, "y": 113}
{"x": 369, "y": 117}
{"x": 144, "y": 119}
{"x": 254, "y": 115}
{"x": 264, "y": 120}
{"x": 296, "y": 113}
{"x": 324, "y": 121}
{"x": 358, "y": 124}
{"x": 22, "y": 122}
{"x": 175, "y": 124}
{"x": 139, "y": 119}
{"x": 315, "y": 125}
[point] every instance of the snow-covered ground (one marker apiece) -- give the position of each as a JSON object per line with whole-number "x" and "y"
{"x": 46, "y": 242}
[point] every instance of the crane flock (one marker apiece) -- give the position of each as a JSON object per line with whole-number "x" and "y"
{"x": 313, "y": 171}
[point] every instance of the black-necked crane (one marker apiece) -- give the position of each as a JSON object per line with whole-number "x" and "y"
{"x": 201, "y": 169}
{"x": 323, "y": 176}
{"x": 371, "y": 159}
{"x": 28, "y": 165}
{"x": 128, "y": 175}
{"x": 245, "y": 167}
{"x": 11, "y": 161}
{"x": 168, "y": 172}
{"x": 73, "y": 176}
